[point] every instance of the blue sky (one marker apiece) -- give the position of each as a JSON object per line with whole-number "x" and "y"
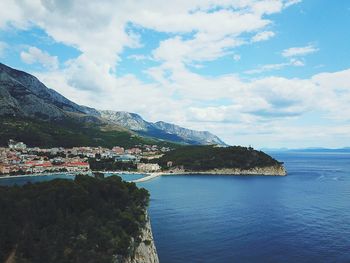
{"x": 268, "y": 73}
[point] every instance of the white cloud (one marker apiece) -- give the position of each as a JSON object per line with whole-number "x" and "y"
{"x": 99, "y": 30}
{"x": 296, "y": 62}
{"x": 140, "y": 57}
{"x": 268, "y": 108}
{"x": 36, "y": 55}
{"x": 267, "y": 67}
{"x": 262, "y": 36}
{"x": 291, "y": 2}
{"x": 299, "y": 51}
{"x": 236, "y": 57}
{"x": 270, "y": 67}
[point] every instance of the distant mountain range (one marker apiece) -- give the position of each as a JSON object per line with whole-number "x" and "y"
{"x": 28, "y": 107}
{"x": 311, "y": 150}
{"x": 160, "y": 129}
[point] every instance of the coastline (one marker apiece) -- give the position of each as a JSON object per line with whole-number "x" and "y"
{"x": 35, "y": 175}
{"x": 277, "y": 170}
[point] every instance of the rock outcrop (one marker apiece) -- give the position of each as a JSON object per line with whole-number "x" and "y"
{"x": 145, "y": 251}
{"x": 275, "y": 170}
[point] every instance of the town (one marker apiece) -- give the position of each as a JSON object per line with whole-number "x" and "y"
{"x": 18, "y": 159}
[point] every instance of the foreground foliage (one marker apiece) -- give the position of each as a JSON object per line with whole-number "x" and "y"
{"x": 201, "y": 158}
{"x": 85, "y": 220}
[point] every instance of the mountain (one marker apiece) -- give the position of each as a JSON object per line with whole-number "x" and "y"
{"x": 33, "y": 113}
{"x": 23, "y": 95}
{"x": 160, "y": 129}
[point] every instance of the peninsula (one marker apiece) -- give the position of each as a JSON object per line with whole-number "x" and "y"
{"x": 232, "y": 160}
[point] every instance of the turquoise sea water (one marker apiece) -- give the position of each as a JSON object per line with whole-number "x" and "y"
{"x": 303, "y": 217}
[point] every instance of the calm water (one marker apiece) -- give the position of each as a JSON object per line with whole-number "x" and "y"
{"x": 304, "y": 217}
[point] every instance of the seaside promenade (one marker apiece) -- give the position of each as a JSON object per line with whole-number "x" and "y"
{"x": 147, "y": 178}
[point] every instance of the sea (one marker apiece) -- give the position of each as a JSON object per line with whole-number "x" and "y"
{"x": 302, "y": 217}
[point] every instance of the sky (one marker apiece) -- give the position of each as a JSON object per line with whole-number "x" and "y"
{"x": 265, "y": 73}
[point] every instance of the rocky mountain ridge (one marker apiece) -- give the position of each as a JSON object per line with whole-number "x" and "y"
{"x": 160, "y": 129}
{"x": 23, "y": 96}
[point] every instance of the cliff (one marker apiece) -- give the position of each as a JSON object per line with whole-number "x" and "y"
{"x": 274, "y": 170}
{"x": 145, "y": 251}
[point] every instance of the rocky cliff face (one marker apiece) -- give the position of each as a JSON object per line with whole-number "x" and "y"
{"x": 162, "y": 130}
{"x": 131, "y": 121}
{"x": 275, "y": 170}
{"x": 146, "y": 251}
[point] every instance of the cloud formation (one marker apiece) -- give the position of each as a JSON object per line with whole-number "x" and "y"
{"x": 36, "y": 55}
{"x": 262, "y": 36}
{"x": 299, "y": 51}
{"x": 193, "y": 32}
{"x": 269, "y": 67}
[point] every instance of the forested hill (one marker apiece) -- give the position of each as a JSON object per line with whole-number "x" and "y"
{"x": 80, "y": 221}
{"x": 201, "y": 158}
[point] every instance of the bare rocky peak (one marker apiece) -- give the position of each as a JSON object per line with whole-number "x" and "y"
{"x": 131, "y": 121}
{"x": 204, "y": 137}
{"x": 135, "y": 122}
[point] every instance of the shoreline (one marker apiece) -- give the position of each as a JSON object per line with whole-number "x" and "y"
{"x": 277, "y": 170}
{"x": 35, "y": 175}
{"x": 257, "y": 171}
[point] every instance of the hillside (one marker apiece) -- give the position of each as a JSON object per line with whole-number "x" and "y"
{"x": 85, "y": 220}
{"x": 69, "y": 133}
{"x": 23, "y": 95}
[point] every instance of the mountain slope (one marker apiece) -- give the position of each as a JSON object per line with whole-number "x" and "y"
{"x": 204, "y": 137}
{"x": 22, "y": 94}
{"x": 34, "y": 108}
{"x": 160, "y": 129}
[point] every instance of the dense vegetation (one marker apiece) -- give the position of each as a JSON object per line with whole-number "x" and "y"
{"x": 111, "y": 165}
{"x": 85, "y": 220}
{"x": 67, "y": 134}
{"x": 201, "y": 158}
